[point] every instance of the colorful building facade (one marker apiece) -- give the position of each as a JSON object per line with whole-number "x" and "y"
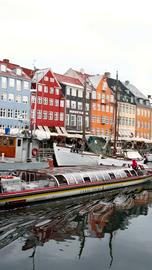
{"x": 15, "y": 87}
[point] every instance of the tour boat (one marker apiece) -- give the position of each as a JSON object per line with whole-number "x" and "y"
{"x": 65, "y": 156}
{"x": 34, "y": 186}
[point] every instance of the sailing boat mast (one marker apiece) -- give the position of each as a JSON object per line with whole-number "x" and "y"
{"x": 115, "y": 116}
{"x": 84, "y": 111}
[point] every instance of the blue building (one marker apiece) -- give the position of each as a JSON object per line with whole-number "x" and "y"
{"x": 15, "y": 88}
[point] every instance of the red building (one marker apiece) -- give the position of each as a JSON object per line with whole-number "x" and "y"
{"x": 47, "y": 101}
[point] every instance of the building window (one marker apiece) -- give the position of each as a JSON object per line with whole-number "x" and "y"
{"x": 87, "y": 107}
{"x": 104, "y": 86}
{"x": 56, "y": 102}
{"x": 62, "y": 103}
{"x": 3, "y": 68}
{"x": 56, "y": 116}
{"x": 57, "y": 91}
{"x": 45, "y": 89}
{"x": 3, "y": 96}
{"x": 18, "y": 85}
{"x": 107, "y": 108}
{"x": 51, "y": 79}
{"x": 11, "y": 82}
{"x": 68, "y": 91}
{"x": 73, "y": 120}
{"x": 80, "y": 93}
{"x": 73, "y": 104}
{"x": 93, "y": 94}
{"x": 4, "y": 82}
{"x": 74, "y": 92}
{"x": 103, "y": 108}
{"x": 79, "y": 122}
{"x": 46, "y": 78}
{"x": 39, "y": 87}
{"x": 51, "y": 90}
{"x": 45, "y": 101}
{"x": 25, "y": 99}
{"x": 44, "y": 114}
{"x": 87, "y": 95}
{"x": 18, "y": 71}
{"x": 68, "y": 103}
{"x": 39, "y": 100}
{"x": 61, "y": 116}
{"x": 26, "y": 85}
{"x": 87, "y": 121}
{"x": 50, "y": 116}
{"x": 10, "y": 97}
{"x": 18, "y": 99}
{"x": 39, "y": 114}
{"x": 79, "y": 105}
{"x": 51, "y": 101}
{"x": 98, "y": 107}
{"x": 67, "y": 120}
{"x": 93, "y": 106}
{"x": 2, "y": 112}
{"x": 17, "y": 113}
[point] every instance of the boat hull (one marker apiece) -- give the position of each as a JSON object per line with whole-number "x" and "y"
{"x": 20, "y": 198}
{"x": 66, "y": 158}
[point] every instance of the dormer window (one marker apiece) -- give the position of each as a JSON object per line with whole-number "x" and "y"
{"x": 18, "y": 71}
{"x": 3, "y": 68}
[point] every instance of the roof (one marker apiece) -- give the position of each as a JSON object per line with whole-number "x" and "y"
{"x": 11, "y": 70}
{"x": 64, "y": 79}
{"x": 40, "y": 73}
{"x": 95, "y": 80}
{"x": 134, "y": 90}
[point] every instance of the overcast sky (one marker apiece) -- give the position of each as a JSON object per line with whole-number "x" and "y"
{"x": 97, "y": 35}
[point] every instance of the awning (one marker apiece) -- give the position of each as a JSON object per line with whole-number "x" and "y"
{"x": 40, "y": 128}
{"x": 58, "y": 130}
{"x": 64, "y": 131}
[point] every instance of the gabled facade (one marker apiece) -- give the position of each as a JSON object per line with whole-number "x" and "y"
{"x": 143, "y": 112}
{"x": 73, "y": 92}
{"x": 15, "y": 87}
{"x": 87, "y": 89}
{"x": 101, "y": 107}
{"x": 126, "y": 109}
{"x": 47, "y": 101}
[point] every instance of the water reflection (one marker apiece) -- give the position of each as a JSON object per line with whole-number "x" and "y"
{"x": 90, "y": 217}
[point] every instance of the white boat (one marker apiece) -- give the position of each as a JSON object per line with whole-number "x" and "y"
{"x": 64, "y": 156}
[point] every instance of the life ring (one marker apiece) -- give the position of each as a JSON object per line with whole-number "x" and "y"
{"x": 34, "y": 152}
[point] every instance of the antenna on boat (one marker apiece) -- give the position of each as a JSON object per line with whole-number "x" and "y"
{"x": 115, "y": 115}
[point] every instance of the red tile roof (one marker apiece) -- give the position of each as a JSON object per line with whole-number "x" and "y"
{"x": 67, "y": 79}
{"x": 10, "y": 70}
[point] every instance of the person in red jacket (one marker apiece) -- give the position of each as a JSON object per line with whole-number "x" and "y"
{"x": 134, "y": 164}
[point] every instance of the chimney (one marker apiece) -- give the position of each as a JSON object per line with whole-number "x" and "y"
{"x": 6, "y": 60}
{"x": 107, "y": 74}
{"x": 127, "y": 82}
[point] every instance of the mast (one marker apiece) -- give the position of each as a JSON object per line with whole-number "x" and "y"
{"x": 115, "y": 116}
{"x": 84, "y": 111}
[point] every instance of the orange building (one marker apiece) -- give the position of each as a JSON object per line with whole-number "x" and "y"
{"x": 102, "y": 107}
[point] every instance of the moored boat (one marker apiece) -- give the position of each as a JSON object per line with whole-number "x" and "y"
{"x": 33, "y": 186}
{"x": 65, "y": 156}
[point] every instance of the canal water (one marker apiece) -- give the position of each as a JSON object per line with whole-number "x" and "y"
{"x": 111, "y": 230}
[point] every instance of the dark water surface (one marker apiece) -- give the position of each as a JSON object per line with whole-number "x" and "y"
{"x": 104, "y": 231}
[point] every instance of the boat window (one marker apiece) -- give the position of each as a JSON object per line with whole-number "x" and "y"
{"x": 61, "y": 179}
{"x": 92, "y": 176}
{"x": 133, "y": 173}
{"x": 127, "y": 172}
{"x": 140, "y": 172}
{"x": 78, "y": 177}
{"x": 99, "y": 176}
{"x": 86, "y": 178}
{"x": 112, "y": 176}
{"x": 106, "y": 176}
{"x": 70, "y": 178}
